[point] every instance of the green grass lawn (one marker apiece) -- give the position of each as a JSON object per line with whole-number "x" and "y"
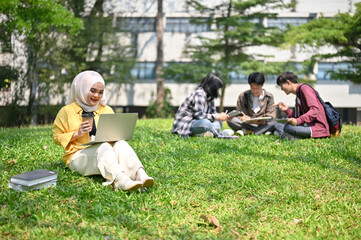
{"x": 257, "y": 187}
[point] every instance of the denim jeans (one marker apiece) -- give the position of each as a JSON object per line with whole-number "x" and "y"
{"x": 236, "y": 124}
{"x": 294, "y": 131}
{"x": 204, "y": 125}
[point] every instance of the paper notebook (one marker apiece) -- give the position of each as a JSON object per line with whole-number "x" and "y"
{"x": 23, "y": 188}
{"x": 34, "y": 177}
{"x": 257, "y": 119}
{"x": 113, "y": 127}
{"x": 235, "y": 113}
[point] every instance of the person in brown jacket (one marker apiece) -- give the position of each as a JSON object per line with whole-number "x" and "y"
{"x": 254, "y": 103}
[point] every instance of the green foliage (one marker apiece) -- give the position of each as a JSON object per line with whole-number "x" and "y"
{"x": 187, "y": 72}
{"x": 235, "y": 31}
{"x": 343, "y": 31}
{"x": 62, "y": 39}
{"x": 268, "y": 68}
{"x": 40, "y": 25}
{"x": 37, "y": 17}
{"x": 13, "y": 115}
{"x": 98, "y": 47}
{"x": 7, "y": 75}
{"x": 194, "y": 72}
{"x": 256, "y": 187}
{"x": 166, "y": 112}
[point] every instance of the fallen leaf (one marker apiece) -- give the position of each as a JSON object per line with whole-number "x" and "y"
{"x": 212, "y": 221}
{"x": 12, "y": 162}
{"x": 45, "y": 147}
{"x": 237, "y": 233}
{"x": 297, "y": 221}
{"x": 317, "y": 196}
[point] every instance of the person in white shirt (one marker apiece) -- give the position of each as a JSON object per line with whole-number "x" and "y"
{"x": 254, "y": 103}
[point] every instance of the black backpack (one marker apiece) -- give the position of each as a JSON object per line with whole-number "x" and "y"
{"x": 333, "y": 117}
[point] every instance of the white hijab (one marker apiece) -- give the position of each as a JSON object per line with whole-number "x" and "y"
{"x": 80, "y": 88}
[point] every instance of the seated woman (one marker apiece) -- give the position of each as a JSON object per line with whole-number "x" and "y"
{"x": 197, "y": 115}
{"x": 116, "y": 162}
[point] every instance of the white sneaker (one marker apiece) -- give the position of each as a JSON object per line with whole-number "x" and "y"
{"x": 123, "y": 182}
{"x": 240, "y": 133}
{"x": 227, "y": 132}
{"x": 267, "y": 133}
{"x": 143, "y": 177}
{"x": 208, "y": 134}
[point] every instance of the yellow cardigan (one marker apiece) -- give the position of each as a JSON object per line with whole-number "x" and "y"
{"x": 67, "y": 122}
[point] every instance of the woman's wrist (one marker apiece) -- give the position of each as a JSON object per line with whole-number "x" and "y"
{"x": 75, "y": 136}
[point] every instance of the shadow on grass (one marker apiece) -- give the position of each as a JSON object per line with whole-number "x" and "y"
{"x": 327, "y": 151}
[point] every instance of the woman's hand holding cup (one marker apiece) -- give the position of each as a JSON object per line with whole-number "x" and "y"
{"x": 87, "y": 124}
{"x": 84, "y": 127}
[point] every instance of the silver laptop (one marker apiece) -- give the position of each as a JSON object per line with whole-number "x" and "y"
{"x": 114, "y": 127}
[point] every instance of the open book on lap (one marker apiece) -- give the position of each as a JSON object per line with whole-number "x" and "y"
{"x": 235, "y": 113}
{"x": 257, "y": 119}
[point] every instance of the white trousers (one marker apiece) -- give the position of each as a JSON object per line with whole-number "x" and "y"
{"x": 106, "y": 160}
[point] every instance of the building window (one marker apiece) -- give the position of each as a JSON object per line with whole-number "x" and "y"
{"x": 5, "y": 84}
{"x": 237, "y": 77}
{"x": 144, "y": 71}
{"x": 136, "y": 24}
{"x": 5, "y": 41}
{"x": 325, "y": 69}
{"x": 283, "y": 22}
{"x": 7, "y": 75}
{"x": 220, "y": 23}
{"x": 185, "y": 25}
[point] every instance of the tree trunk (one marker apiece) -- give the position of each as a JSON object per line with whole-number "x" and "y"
{"x": 221, "y": 105}
{"x": 159, "y": 61}
{"x": 227, "y": 54}
{"x": 33, "y": 100}
{"x": 33, "y": 86}
{"x": 97, "y": 13}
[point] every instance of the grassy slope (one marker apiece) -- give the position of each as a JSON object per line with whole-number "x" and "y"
{"x": 256, "y": 186}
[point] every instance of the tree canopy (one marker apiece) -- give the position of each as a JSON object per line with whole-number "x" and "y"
{"x": 98, "y": 45}
{"x": 342, "y": 32}
{"x": 59, "y": 39}
{"x": 238, "y": 26}
{"x": 38, "y": 25}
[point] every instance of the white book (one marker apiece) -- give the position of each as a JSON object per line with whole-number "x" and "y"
{"x": 23, "y": 188}
{"x": 258, "y": 119}
{"x": 235, "y": 113}
{"x": 34, "y": 177}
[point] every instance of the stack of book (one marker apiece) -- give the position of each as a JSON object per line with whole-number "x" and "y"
{"x": 33, "y": 180}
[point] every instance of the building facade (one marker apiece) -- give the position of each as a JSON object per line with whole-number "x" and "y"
{"x": 179, "y": 31}
{"x": 135, "y": 21}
